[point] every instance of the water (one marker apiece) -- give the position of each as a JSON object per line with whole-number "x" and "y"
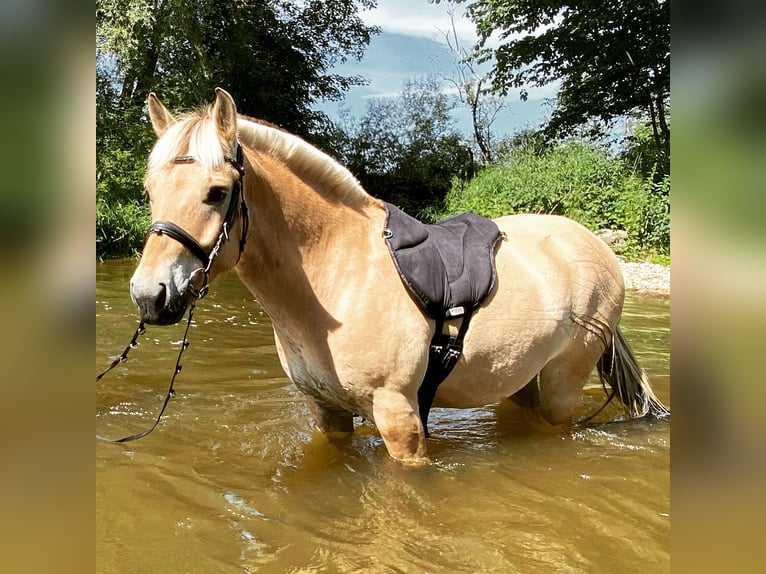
{"x": 235, "y": 479}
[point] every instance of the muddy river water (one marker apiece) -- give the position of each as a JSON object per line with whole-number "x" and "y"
{"x": 235, "y": 479}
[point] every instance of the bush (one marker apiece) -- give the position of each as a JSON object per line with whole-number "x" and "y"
{"x": 406, "y": 150}
{"x": 120, "y": 227}
{"x": 123, "y": 140}
{"x": 574, "y": 180}
{"x": 122, "y": 213}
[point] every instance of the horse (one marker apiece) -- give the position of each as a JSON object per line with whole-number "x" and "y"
{"x": 348, "y": 333}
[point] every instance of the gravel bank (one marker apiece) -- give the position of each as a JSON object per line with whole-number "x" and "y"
{"x": 646, "y": 278}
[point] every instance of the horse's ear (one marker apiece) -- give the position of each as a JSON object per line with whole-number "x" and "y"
{"x": 225, "y": 114}
{"x": 161, "y": 117}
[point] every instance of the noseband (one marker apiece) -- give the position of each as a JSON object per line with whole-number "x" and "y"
{"x": 173, "y": 231}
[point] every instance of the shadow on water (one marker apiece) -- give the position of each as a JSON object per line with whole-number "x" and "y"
{"x": 236, "y": 480}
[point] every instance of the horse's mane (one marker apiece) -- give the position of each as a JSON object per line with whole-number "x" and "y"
{"x": 195, "y": 134}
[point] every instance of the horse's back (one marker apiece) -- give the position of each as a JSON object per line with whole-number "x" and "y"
{"x": 560, "y": 258}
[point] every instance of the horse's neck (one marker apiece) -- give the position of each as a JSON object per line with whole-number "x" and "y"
{"x": 302, "y": 244}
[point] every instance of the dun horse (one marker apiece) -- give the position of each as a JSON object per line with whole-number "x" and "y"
{"x": 308, "y": 242}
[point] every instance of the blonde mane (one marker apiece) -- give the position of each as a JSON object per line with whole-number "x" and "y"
{"x": 307, "y": 162}
{"x": 195, "y": 134}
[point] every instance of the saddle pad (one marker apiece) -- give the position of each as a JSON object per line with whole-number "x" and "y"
{"x": 448, "y": 266}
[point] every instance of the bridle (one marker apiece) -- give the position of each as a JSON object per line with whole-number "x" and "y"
{"x": 206, "y": 257}
{"x": 170, "y": 229}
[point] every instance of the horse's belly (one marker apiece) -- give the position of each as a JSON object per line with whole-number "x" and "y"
{"x": 501, "y": 356}
{"x": 498, "y": 362}
{"x": 524, "y": 322}
{"x": 481, "y": 382}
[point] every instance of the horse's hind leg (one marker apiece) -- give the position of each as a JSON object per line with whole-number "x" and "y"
{"x": 562, "y": 380}
{"x": 330, "y": 420}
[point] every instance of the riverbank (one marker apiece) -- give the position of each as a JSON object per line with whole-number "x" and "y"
{"x": 651, "y": 279}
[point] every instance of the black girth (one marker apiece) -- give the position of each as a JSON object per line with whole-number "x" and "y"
{"x": 443, "y": 354}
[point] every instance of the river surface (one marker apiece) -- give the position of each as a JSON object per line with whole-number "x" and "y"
{"x": 235, "y": 479}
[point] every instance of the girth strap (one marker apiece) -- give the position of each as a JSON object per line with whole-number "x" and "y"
{"x": 443, "y": 355}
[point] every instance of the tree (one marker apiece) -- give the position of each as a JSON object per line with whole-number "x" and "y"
{"x": 611, "y": 57}
{"x": 474, "y": 91}
{"x": 275, "y": 57}
{"x": 406, "y": 150}
{"x": 640, "y": 150}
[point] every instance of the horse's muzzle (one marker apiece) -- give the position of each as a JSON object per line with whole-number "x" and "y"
{"x": 158, "y": 305}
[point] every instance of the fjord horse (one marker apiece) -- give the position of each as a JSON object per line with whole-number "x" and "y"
{"x": 306, "y": 239}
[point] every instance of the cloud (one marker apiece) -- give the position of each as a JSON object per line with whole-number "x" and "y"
{"x": 422, "y": 20}
{"x": 447, "y": 90}
{"x": 412, "y": 45}
{"x": 381, "y": 95}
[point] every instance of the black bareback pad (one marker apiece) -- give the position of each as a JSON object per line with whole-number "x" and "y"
{"x": 449, "y": 268}
{"x": 447, "y": 265}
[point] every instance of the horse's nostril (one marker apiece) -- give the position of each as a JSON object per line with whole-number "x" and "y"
{"x": 163, "y": 294}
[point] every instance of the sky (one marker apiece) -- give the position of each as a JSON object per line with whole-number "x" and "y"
{"x": 412, "y": 45}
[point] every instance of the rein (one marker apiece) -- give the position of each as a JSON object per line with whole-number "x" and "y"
{"x": 174, "y": 231}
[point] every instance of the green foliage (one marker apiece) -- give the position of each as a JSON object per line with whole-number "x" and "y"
{"x": 123, "y": 141}
{"x": 120, "y": 227}
{"x": 643, "y": 153}
{"x": 275, "y": 58}
{"x": 652, "y": 232}
{"x": 574, "y": 180}
{"x": 660, "y": 259}
{"x": 406, "y": 150}
{"x": 610, "y": 57}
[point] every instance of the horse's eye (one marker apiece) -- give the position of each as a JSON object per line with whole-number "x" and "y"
{"x": 216, "y": 194}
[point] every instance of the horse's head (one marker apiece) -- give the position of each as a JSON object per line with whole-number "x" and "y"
{"x": 194, "y": 185}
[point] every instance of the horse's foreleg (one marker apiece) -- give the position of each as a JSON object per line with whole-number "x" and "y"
{"x": 330, "y": 420}
{"x": 398, "y": 423}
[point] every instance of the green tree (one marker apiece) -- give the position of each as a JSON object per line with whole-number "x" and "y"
{"x": 640, "y": 150}
{"x": 122, "y": 140}
{"x": 275, "y": 58}
{"x": 611, "y": 57}
{"x": 407, "y": 149}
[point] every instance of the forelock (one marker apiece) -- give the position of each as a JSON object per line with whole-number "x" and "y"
{"x": 193, "y": 135}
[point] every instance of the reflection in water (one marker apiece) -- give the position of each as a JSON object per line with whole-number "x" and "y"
{"x": 236, "y": 480}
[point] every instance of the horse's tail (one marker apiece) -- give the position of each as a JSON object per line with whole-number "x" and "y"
{"x": 618, "y": 368}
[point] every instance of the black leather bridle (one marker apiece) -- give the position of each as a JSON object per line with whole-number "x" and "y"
{"x": 206, "y": 256}
{"x": 174, "y": 231}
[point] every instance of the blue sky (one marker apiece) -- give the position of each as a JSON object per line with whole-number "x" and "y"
{"x": 411, "y": 45}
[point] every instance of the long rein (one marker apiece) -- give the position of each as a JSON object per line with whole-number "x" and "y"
{"x": 175, "y": 232}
